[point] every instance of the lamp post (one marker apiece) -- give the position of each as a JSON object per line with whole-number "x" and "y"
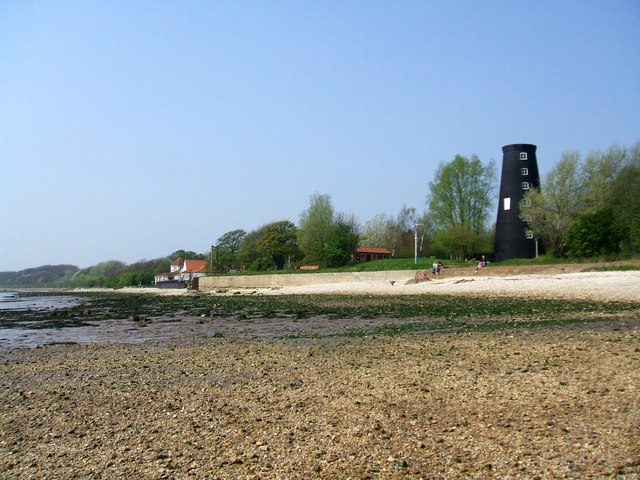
{"x": 415, "y": 230}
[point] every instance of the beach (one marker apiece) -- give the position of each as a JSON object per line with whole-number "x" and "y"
{"x": 557, "y": 400}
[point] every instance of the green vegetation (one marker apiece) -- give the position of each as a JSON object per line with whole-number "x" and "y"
{"x": 390, "y": 315}
{"x": 460, "y": 201}
{"x": 586, "y": 208}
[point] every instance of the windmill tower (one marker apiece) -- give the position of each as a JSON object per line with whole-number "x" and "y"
{"x": 514, "y": 239}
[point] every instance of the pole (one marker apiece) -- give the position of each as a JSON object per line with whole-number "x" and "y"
{"x": 415, "y": 229}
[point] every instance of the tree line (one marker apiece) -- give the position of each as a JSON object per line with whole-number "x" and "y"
{"x": 460, "y": 201}
{"x": 584, "y": 207}
{"x": 588, "y": 207}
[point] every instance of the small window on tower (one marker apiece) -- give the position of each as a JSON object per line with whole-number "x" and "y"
{"x": 526, "y": 202}
{"x": 527, "y": 218}
{"x": 525, "y": 185}
{"x": 524, "y": 171}
{"x": 507, "y": 203}
{"x": 523, "y": 155}
{"x": 528, "y": 234}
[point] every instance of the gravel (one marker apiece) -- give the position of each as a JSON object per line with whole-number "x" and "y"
{"x": 553, "y": 402}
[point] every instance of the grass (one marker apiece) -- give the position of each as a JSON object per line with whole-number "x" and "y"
{"x": 425, "y": 263}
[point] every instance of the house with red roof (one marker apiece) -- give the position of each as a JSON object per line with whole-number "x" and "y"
{"x": 366, "y": 254}
{"x": 182, "y": 272}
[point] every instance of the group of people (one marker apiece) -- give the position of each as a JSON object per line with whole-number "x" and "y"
{"x": 437, "y": 266}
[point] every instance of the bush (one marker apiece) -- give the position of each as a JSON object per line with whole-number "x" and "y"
{"x": 593, "y": 234}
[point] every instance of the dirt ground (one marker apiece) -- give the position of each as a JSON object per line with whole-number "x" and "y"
{"x": 547, "y": 402}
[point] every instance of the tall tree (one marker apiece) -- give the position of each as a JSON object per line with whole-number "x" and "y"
{"x": 552, "y": 209}
{"x": 601, "y": 170}
{"x": 316, "y": 224}
{"x": 249, "y": 257}
{"x": 374, "y": 233}
{"x": 229, "y": 246}
{"x": 461, "y": 198}
{"x": 400, "y": 232}
{"x": 624, "y": 197}
{"x": 342, "y": 245}
{"x": 279, "y": 243}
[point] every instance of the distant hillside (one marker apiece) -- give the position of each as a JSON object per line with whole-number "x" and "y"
{"x": 47, "y": 275}
{"x": 109, "y": 274}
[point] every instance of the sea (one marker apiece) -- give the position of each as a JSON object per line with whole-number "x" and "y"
{"x": 18, "y": 301}
{"x": 17, "y": 336}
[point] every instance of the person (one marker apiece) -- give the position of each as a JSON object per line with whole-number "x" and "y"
{"x": 481, "y": 264}
{"x": 440, "y": 267}
{"x": 435, "y": 267}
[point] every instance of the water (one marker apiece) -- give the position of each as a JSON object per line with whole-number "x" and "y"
{"x": 23, "y": 336}
{"x": 20, "y": 302}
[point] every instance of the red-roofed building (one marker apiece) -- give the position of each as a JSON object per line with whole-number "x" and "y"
{"x": 366, "y": 254}
{"x": 182, "y": 272}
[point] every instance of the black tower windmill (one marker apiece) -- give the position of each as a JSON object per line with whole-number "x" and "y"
{"x": 514, "y": 239}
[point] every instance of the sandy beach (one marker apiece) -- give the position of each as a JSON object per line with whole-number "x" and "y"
{"x": 585, "y": 285}
{"x": 556, "y": 401}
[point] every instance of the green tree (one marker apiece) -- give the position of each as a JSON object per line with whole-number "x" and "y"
{"x": 593, "y": 234}
{"x": 600, "y": 172}
{"x": 249, "y": 254}
{"x": 229, "y": 246}
{"x": 552, "y": 209}
{"x": 187, "y": 255}
{"x": 625, "y": 201}
{"x": 341, "y": 246}
{"x": 316, "y": 225}
{"x": 279, "y": 243}
{"x": 460, "y": 201}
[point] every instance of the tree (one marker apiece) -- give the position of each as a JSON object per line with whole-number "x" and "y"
{"x": 460, "y": 200}
{"x": 625, "y": 201}
{"x": 228, "y": 247}
{"x": 400, "y": 232}
{"x": 456, "y": 240}
{"x": 551, "y": 210}
{"x": 249, "y": 257}
{"x": 187, "y": 255}
{"x": 279, "y": 243}
{"x": 601, "y": 170}
{"x": 316, "y": 224}
{"x": 375, "y": 230}
{"x": 341, "y": 246}
{"x": 593, "y": 234}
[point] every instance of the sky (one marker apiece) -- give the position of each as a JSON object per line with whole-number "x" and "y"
{"x": 131, "y": 129}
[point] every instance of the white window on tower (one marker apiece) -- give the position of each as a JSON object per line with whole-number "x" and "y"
{"x": 525, "y": 185}
{"x": 507, "y": 203}
{"x": 528, "y": 234}
{"x": 526, "y": 202}
{"x": 523, "y": 155}
{"x": 524, "y": 171}
{"x": 527, "y": 218}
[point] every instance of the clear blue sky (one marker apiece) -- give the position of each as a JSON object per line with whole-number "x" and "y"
{"x": 130, "y": 129}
